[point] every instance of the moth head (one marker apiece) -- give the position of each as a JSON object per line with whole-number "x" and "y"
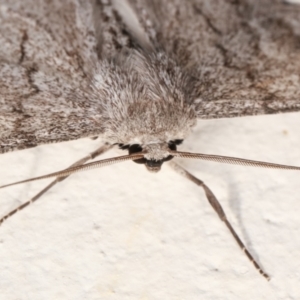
{"x": 154, "y": 154}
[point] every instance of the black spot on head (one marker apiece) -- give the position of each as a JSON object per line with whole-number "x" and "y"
{"x": 172, "y": 144}
{"x": 135, "y": 148}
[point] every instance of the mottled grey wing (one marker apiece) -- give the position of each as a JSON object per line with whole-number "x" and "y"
{"x": 244, "y": 56}
{"x": 47, "y": 51}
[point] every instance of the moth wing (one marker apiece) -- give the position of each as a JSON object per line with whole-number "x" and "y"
{"x": 47, "y": 53}
{"x": 244, "y": 56}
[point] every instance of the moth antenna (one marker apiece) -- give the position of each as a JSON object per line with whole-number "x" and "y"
{"x": 80, "y": 162}
{"x": 88, "y": 166}
{"x": 233, "y": 160}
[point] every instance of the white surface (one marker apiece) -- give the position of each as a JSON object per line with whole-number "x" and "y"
{"x": 293, "y": 1}
{"x": 121, "y": 232}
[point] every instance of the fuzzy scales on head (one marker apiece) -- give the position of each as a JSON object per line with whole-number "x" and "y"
{"x": 145, "y": 99}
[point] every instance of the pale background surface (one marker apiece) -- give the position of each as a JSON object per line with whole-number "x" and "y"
{"x": 121, "y": 232}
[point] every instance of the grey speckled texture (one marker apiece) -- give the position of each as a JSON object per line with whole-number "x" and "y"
{"x": 73, "y": 68}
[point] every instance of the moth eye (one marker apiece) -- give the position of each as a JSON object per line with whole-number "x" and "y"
{"x": 172, "y": 144}
{"x": 134, "y": 148}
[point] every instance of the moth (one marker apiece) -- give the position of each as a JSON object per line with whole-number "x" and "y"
{"x": 139, "y": 73}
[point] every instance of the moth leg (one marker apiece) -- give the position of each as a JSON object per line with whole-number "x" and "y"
{"x": 92, "y": 155}
{"x": 219, "y": 210}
